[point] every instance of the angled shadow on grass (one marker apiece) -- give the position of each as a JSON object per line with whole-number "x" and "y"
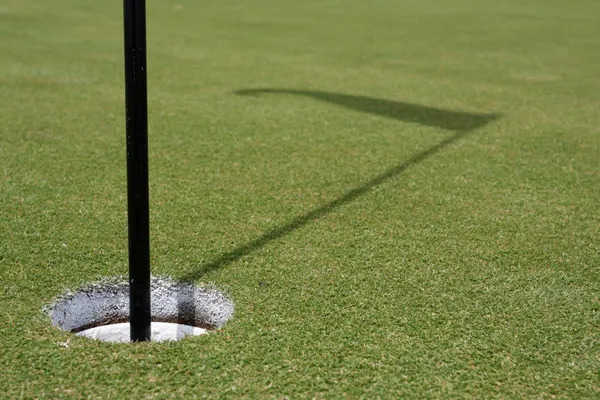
{"x": 406, "y": 112}
{"x": 460, "y": 122}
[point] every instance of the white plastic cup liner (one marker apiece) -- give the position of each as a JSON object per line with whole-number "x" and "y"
{"x": 160, "y": 332}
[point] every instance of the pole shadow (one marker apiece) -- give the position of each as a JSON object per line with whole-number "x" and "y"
{"x": 462, "y": 123}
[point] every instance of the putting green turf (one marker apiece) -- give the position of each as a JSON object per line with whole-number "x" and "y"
{"x": 401, "y": 197}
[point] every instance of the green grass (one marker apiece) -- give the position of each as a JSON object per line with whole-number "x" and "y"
{"x": 371, "y": 246}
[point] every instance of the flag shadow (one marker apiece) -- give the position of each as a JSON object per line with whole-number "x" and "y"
{"x": 460, "y": 122}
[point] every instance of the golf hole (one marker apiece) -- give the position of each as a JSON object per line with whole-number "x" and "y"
{"x": 101, "y": 310}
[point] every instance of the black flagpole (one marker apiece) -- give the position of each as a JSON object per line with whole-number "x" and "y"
{"x": 137, "y": 168}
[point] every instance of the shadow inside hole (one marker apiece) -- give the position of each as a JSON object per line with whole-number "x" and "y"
{"x": 107, "y": 303}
